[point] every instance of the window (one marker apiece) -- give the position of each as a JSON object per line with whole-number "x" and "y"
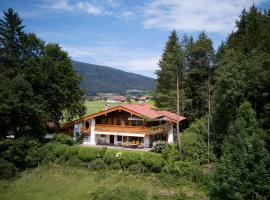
{"x": 119, "y": 138}
{"x": 87, "y": 124}
{"x": 102, "y": 135}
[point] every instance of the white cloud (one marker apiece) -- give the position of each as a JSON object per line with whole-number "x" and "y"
{"x": 194, "y": 15}
{"x": 84, "y": 6}
{"x": 127, "y": 14}
{"x": 132, "y": 60}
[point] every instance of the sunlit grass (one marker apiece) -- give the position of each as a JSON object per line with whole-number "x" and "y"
{"x": 70, "y": 184}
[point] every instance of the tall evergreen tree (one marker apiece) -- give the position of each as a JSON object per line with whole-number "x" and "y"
{"x": 243, "y": 72}
{"x": 11, "y": 31}
{"x": 243, "y": 171}
{"x": 200, "y": 61}
{"x": 170, "y": 67}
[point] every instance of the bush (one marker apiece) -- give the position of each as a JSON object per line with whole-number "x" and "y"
{"x": 128, "y": 158}
{"x": 74, "y": 161}
{"x": 178, "y": 196}
{"x": 60, "y": 150}
{"x": 63, "y": 139}
{"x": 98, "y": 164}
{"x": 153, "y": 161}
{"x": 89, "y": 154}
{"x": 7, "y": 169}
{"x": 137, "y": 168}
{"x": 23, "y": 152}
{"x": 119, "y": 193}
{"x": 47, "y": 152}
{"x": 159, "y": 146}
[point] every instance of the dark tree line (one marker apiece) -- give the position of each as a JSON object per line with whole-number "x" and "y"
{"x": 234, "y": 82}
{"x": 38, "y": 86}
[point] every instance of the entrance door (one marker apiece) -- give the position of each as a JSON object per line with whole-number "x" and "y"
{"x": 125, "y": 140}
{"x": 111, "y": 139}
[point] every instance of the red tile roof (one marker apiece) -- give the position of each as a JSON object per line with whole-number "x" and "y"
{"x": 151, "y": 112}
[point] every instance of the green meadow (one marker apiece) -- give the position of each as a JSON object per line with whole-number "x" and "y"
{"x": 56, "y": 182}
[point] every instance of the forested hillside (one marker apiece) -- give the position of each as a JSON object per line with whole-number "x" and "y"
{"x": 101, "y": 79}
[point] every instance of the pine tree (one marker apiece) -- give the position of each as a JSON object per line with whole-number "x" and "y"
{"x": 11, "y": 31}
{"x": 171, "y": 66}
{"x": 243, "y": 72}
{"x": 243, "y": 170}
{"x": 200, "y": 61}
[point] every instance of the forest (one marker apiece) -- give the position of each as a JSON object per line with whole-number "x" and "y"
{"x": 225, "y": 95}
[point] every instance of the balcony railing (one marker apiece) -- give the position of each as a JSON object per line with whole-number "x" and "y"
{"x": 130, "y": 129}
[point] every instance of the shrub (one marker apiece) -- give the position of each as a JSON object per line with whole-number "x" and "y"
{"x": 63, "y": 139}
{"x": 110, "y": 157}
{"x": 60, "y": 150}
{"x": 7, "y": 169}
{"x": 88, "y": 154}
{"x": 23, "y": 152}
{"x": 137, "y": 168}
{"x": 98, "y": 164}
{"x": 115, "y": 165}
{"x": 119, "y": 193}
{"x": 128, "y": 158}
{"x": 178, "y": 196}
{"x": 159, "y": 146}
{"x": 153, "y": 161}
{"x": 4, "y": 146}
{"x": 74, "y": 161}
{"x": 47, "y": 152}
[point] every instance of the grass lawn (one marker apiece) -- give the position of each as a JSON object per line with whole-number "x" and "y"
{"x": 70, "y": 184}
{"x": 96, "y": 106}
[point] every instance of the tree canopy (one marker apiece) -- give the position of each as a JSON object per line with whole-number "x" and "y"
{"x": 38, "y": 85}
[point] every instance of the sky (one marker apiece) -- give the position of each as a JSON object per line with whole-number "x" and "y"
{"x": 126, "y": 34}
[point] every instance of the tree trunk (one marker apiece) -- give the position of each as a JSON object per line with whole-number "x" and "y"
{"x": 178, "y": 112}
{"x": 208, "y": 120}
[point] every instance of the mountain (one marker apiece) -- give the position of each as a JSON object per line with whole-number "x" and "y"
{"x": 101, "y": 79}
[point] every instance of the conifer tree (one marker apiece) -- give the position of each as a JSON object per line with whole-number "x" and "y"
{"x": 243, "y": 170}
{"x": 170, "y": 67}
{"x": 200, "y": 62}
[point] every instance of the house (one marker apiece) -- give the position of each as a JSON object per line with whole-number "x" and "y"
{"x": 142, "y": 99}
{"x": 131, "y": 125}
{"x": 116, "y": 99}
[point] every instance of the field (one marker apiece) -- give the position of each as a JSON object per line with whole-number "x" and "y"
{"x": 70, "y": 184}
{"x": 96, "y": 106}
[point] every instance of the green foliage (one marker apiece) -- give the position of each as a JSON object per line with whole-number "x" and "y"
{"x": 178, "y": 196}
{"x": 98, "y": 164}
{"x": 243, "y": 72}
{"x": 7, "y": 169}
{"x": 24, "y": 152}
{"x": 118, "y": 193}
{"x": 63, "y": 138}
{"x": 159, "y": 146}
{"x": 171, "y": 66}
{"x": 88, "y": 154}
{"x": 37, "y": 82}
{"x": 194, "y": 142}
{"x": 101, "y": 79}
{"x": 153, "y": 161}
{"x": 243, "y": 171}
{"x": 199, "y": 64}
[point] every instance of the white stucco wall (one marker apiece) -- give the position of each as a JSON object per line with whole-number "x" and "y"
{"x": 93, "y": 135}
{"x": 146, "y": 141}
{"x": 170, "y": 135}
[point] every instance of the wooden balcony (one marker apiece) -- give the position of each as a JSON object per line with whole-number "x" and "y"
{"x": 85, "y": 131}
{"x": 131, "y": 129}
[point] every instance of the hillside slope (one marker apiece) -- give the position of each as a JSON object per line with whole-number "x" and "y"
{"x": 97, "y": 79}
